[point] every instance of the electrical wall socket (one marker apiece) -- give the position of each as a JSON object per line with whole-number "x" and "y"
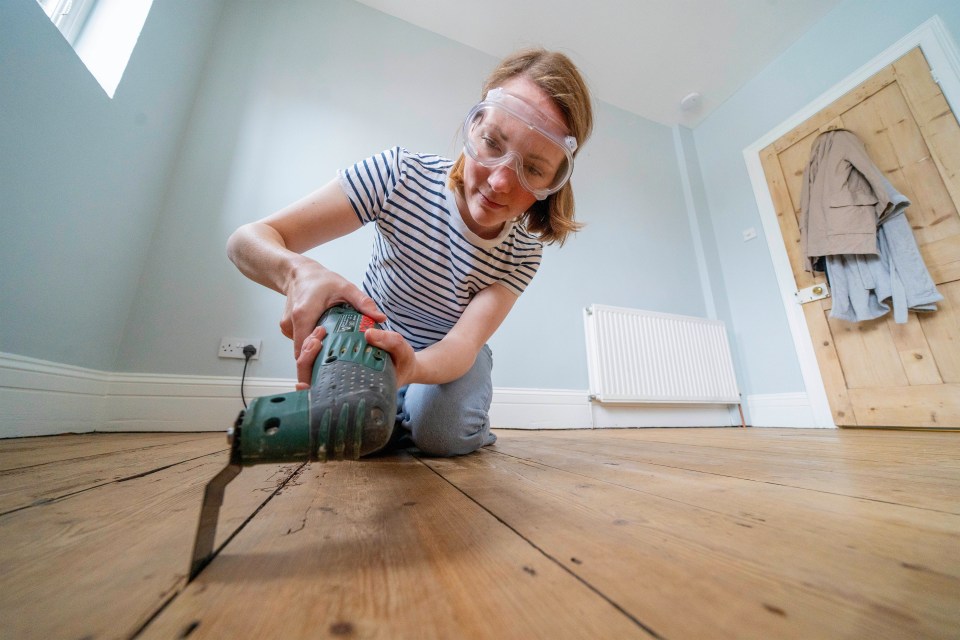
{"x": 233, "y": 348}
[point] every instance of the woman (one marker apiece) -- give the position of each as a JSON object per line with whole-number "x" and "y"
{"x": 456, "y": 244}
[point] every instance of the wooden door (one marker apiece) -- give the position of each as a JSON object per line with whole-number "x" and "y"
{"x": 879, "y": 373}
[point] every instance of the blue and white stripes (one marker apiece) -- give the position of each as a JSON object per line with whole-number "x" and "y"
{"x": 426, "y": 265}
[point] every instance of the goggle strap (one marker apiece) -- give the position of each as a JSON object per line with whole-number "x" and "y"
{"x": 497, "y": 95}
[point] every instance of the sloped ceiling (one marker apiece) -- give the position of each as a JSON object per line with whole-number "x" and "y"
{"x": 643, "y": 56}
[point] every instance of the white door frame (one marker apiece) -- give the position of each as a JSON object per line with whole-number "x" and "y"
{"x": 941, "y": 52}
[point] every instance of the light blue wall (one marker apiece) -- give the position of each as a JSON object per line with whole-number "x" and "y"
{"x": 846, "y": 39}
{"x": 715, "y": 292}
{"x": 296, "y": 90}
{"x": 82, "y": 177}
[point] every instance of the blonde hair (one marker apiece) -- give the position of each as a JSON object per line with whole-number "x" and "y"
{"x": 551, "y": 220}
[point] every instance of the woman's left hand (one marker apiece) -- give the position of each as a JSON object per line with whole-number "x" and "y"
{"x": 404, "y": 357}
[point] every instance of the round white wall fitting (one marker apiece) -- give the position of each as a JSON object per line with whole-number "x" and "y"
{"x": 691, "y": 102}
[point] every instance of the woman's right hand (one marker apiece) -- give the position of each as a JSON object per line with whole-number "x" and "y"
{"x": 270, "y": 251}
{"x": 311, "y": 290}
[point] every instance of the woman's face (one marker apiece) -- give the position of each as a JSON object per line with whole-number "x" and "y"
{"x": 493, "y": 196}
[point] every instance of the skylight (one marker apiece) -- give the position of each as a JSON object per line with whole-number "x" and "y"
{"x": 102, "y": 32}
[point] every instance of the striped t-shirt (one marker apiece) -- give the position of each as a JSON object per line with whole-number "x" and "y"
{"x": 426, "y": 264}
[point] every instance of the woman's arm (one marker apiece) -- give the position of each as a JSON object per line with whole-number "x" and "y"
{"x": 269, "y": 252}
{"x": 452, "y": 356}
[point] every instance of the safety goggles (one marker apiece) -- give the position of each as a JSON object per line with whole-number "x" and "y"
{"x": 505, "y": 129}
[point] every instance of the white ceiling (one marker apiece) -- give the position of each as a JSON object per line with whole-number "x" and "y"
{"x": 643, "y": 56}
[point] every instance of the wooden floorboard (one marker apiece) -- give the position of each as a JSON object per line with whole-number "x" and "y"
{"x": 669, "y": 533}
{"x": 100, "y": 563}
{"x": 38, "y": 483}
{"x": 385, "y": 550}
{"x": 874, "y": 477}
{"x": 777, "y": 560}
{"x": 19, "y": 453}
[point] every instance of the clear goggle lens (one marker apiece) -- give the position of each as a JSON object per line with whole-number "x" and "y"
{"x": 505, "y": 130}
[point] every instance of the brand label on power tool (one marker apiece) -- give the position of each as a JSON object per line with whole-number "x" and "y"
{"x": 351, "y": 322}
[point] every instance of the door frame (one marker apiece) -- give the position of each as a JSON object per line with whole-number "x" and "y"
{"x": 942, "y": 54}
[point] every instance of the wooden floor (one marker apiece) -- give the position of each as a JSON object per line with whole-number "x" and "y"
{"x": 663, "y": 533}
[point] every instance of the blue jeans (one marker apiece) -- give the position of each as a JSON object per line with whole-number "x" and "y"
{"x": 449, "y": 419}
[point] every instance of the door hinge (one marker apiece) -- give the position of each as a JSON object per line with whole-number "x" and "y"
{"x": 817, "y": 291}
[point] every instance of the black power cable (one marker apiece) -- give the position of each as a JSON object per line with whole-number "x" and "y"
{"x": 248, "y": 352}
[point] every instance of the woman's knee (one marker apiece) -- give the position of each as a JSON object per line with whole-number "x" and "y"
{"x": 441, "y": 424}
{"x": 451, "y": 419}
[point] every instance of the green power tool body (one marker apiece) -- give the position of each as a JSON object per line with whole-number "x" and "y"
{"x": 348, "y": 411}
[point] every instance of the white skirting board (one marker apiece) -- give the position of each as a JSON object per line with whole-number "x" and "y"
{"x": 38, "y": 397}
{"x": 781, "y": 410}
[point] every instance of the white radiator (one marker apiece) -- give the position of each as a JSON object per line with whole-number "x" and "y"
{"x": 642, "y": 356}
